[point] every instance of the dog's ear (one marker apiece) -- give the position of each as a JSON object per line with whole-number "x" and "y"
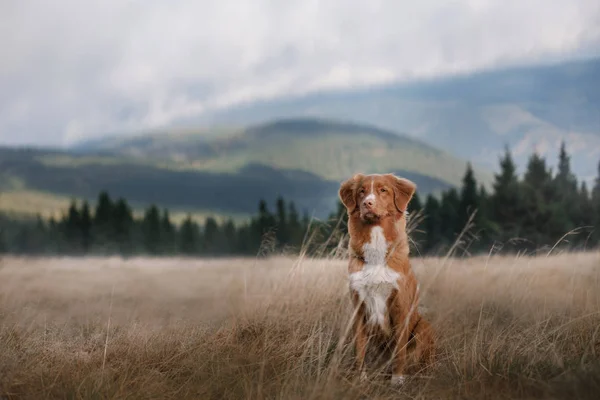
{"x": 347, "y": 192}
{"x": 404, "y": 190}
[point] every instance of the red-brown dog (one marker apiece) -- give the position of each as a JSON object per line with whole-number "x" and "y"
{"x": 383, "y": 287}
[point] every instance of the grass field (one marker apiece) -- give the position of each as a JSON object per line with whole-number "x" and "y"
{"x": 508, "y": 327}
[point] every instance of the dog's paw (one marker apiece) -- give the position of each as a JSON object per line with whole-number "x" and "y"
{"x": 398, "y": 380}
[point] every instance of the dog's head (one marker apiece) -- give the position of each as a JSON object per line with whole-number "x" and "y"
{"x": 376, "y": 196}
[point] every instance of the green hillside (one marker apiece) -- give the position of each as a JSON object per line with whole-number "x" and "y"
{"x": 228, "y": 173}
{"x": 329, "y": 149}
{"x": 29, "y": 185}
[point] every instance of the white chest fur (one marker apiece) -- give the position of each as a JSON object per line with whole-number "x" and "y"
{"x": 375, "y": 282}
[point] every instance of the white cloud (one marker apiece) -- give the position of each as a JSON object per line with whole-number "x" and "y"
{"x": 73, "y": 69}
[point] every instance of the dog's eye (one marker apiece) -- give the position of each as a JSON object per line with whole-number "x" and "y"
{"x": 383, "y": 190}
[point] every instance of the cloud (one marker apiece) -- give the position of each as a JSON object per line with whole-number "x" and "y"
{"x": 73, "y": 69}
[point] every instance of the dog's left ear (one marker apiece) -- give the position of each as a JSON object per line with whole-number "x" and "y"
{"x": 404, "y": 190}
{"x": 347, "y": 193}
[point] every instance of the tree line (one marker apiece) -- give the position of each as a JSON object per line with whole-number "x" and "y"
{"x": 539, "y": 210}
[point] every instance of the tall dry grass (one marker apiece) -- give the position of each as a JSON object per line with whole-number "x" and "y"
{"x": 508, "y": 327}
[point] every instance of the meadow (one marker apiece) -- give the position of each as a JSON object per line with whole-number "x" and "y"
{"x": 277, "y": 327}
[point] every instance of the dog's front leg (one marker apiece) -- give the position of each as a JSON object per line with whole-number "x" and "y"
{"x": 360, "y": 336}
{"x": 401, "y": 330}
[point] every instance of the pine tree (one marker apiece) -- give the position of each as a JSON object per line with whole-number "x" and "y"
{"x": 565, "y": 192}
{"x": 449, "y": 216}
{"x": 414, "y": 206}
{"x": 294, "y": 225}
{"x": 243, "y": 240}
{"x": 545, "y": 219}
{"x": 103, "y": 221}
{"x": 151, "y": 231}
{"x": 282, "y": 233}
{"x": 596, "y": 206}
{"x": 432, "y": 224}
{"x": 483, "y": 219}
{"x": 122, "y": 226}
{"x": 506, "y": 204}
{"x": 168, "y": 233}
{"x": 56, "y": 242}
{"x": 264, "y": 226}
{"x": 3, "y": 244}
{"x": 469, "y": 199}
{"x": 189, "y": 236}
{"x": 596, "y": 189}
{"x": 210, "y": 237}
{"x": 585, "y": 215}
{"x": 565, "y": 179}
{"x": 85, "y": 227}
{"x": 37, "y": 237}
{"x": 72, "y": 223}
{"x": 229, "y": 236}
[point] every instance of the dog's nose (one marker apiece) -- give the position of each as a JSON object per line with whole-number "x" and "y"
{"x": 368, "y": 203}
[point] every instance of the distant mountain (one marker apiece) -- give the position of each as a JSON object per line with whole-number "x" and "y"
{"x": 302, "y": 160}
{"x": 471, "y": 116}
{"x": 329, "y": 149}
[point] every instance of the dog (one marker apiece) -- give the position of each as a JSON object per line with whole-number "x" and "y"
{"x": 383, "y": 288}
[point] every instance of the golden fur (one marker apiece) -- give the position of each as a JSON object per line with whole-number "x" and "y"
{"x": 379, "y": 202}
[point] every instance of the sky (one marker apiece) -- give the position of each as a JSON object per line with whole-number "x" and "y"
{"x": 73, "y": 70}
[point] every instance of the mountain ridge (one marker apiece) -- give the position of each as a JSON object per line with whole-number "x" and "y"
{"x": 301, "y": 160}
{"x": 473, "y": 116}
{"x": 294, "y": 143}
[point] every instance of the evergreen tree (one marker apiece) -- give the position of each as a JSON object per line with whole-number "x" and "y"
{"x": 545, "y": 219}
{"x": 189, "y": 236}
{"x": 151, "y": 231}
{"x": 449, "y": 216}
{"x": 85, "y": 227}
{"x": 566, "y": 193}
{"x": 432, "y": 224}
{"x": 211, "y": 233}
{"x": 506, "y": 204}
{"x": 282, "y": 233}
{"x": 229, "y": 235}
{"x": 565, "y": 180}
{"x": 55, "y": 240}
{"x": 244, "y": 240}
{"x": 585, "y": 215}
{"x": 168, "y": 233}
{"x": 22, "y": 243}
{"x": 596, "y": 206}
{"x": 535, "y": 179}
{"x": 414, "y": 206}
{"x": 294, "y": 226}
{"x": 469, "y": 199}
{"x": 122, "y": 226}
{"x": 264, "y": 225}
{"x": 483, "y": 220}
{"x": 596, "y": 189}
{"x": 34, "y": 237}
{"x": 71, "y": 224}
{"x": 3, "y": 244}
{"x": 103, "y": 221}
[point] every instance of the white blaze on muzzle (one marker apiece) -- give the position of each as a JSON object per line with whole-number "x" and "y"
{"x": 371, "y": 195}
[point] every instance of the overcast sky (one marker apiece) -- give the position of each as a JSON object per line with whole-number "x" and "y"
{"x": 73, "y": 69}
